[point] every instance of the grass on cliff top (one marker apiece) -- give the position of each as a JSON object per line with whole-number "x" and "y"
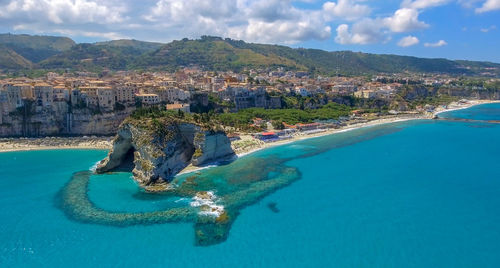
{"x": 158, "y": 119}
{"x": 243, "y": 118}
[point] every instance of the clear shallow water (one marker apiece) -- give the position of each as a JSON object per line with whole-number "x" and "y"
{"x": 413, "y": 194}
{"x": 480, "y": 112}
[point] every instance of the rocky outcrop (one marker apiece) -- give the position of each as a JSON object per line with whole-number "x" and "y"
{"x": 209, "y": 148}
{"x": 156, "y": 155}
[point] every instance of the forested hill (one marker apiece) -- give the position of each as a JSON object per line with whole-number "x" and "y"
{"x": 36, "y": 48}
{"x": 215, "y": 53}
{"x": 9, "y": 59}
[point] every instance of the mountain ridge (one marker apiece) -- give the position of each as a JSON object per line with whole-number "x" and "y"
{"x": 220, "y": 54}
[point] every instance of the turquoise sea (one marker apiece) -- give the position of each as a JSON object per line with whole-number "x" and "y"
{"x": 411, "y": 194}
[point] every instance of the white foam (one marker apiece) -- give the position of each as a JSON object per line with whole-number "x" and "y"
{"x": 93, "y": 168}
{"x": 213, "y": 211}
{"x": 207, "y": 203}
{"x": 181, "y": 200}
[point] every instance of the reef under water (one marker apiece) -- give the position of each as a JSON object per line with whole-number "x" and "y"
{"x": 216, "y": 195}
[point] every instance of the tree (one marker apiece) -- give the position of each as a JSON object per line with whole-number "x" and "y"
{"x": 180, "y": 114}
{"x": 277, "y": 124}
{"x": 138, "y": 103}
{"x": 119, "y": 106}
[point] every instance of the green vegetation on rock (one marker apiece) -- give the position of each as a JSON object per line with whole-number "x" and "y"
{"x": 243, "y": 118}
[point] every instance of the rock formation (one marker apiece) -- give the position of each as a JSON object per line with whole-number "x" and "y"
{"x": 58, "y": 121}
{"x": 156, "y": 150}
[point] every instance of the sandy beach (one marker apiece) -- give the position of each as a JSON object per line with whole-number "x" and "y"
{"x": 55, "y": 143}
{"x": 458, "y": 106}
{"x": 379, "y": 121}
{"x": 254, "y": 145}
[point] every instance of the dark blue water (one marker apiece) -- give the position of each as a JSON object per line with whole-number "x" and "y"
{"x": 412, "y": 194}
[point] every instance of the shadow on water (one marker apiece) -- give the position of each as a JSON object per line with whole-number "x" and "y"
{"x": 273, "y": 207}
{"x": 236, "y": 185}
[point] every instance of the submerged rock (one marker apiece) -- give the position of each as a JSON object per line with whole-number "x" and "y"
{"x": 156, "y": 151}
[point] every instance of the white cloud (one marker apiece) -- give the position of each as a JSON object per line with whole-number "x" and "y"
{"x": 279, "y": 31}
{"x": 404, "y": 20}
{"x": 368, "y": 31}
{"x": 422, "y": 4}
{"x": 103, "y": 35}
{"x": 491, "y": 28}
{"x": 439, "y": 43}
{"x": 346, "y": 9}
{"x": 269, "y": 21}
{"x": 408, "y": 41}
{"x": 344, "y": 37}
{"x": 468, "y": 3}
{"x": 363, "y": 32}
{"x": 489, "y": 5}
{"x": 60, "y": 12}
{"x": 178, "y": 10}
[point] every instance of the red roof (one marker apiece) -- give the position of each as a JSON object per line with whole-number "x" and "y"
{"x": 268, "y": 134}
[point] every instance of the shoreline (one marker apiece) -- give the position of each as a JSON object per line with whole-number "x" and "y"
{"x": 469, "y": 105}
{"x": 372, "y": 123}
{"x": 55, "y": 143}
{"x": 375, "y": 122}
{"x": 105, "y": 143}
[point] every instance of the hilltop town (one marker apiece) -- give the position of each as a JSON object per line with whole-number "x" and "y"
{"x": 85, "y": 103}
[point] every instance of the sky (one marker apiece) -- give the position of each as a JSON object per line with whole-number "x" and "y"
{"x": 454, "y": 29}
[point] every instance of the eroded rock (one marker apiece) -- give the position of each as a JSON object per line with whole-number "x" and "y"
{"x": 156, "y": 155}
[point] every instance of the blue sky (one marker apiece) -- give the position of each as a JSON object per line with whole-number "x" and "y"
{"x": 455, "y": 29}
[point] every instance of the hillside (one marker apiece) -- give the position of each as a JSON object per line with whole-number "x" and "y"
{"x": 36, "y": 48}
{"x": 215, "y": 53}
{"x": 131, "y": 43}
{"x": 9, "y": 59}
{"x": 347, "y": 62}
{"x": 93, "y": 57}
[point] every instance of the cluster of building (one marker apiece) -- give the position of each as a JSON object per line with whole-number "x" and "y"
{"x": 182, "y": 89}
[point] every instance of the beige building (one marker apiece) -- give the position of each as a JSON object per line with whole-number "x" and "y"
{"x": 43, "y": 94}
{"x": 25, "y": 90}
{"x": 177, "y": 94}
{"x": 61, "y": 93}
{"x": 365, "y": 94}
{"x": 3, "y": 103}
{"x": 106, "y": 98}
{"x": 148, "y": 99}
{"x": 91, "y": 93}
{"x": 179, "y": 106}
{"x": 125, "y": 94}
{"x": 100, "y": 96}
{"x": 14, "y": 99}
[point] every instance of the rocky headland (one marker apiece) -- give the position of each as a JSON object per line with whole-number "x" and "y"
{"x": 155, "y": 149}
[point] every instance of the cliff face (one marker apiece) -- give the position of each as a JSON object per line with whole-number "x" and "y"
{"x": 210, "y": 147}
{"x": 59, "y": 121}
{"x": 157, "y": 156}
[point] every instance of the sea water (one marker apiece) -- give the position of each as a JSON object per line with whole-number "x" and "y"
{"x": 412, "y": 194}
